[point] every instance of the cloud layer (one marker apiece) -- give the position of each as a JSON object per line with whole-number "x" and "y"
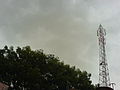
{"x": 66, "y": 28}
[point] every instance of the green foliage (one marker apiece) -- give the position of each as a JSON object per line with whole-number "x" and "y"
{"x": 34, "y": 70}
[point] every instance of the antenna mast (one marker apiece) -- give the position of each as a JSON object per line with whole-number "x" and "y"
{"x": 104, "y": 79}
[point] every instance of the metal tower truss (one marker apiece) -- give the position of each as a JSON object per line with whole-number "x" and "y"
{"x": 104, "y": 79}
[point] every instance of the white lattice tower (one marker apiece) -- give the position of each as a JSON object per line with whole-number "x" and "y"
{"x": 104, "y": 79}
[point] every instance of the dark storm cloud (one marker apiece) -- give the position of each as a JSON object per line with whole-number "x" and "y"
{"x": 28, "y": 15}
{"x": 57, "y": 26}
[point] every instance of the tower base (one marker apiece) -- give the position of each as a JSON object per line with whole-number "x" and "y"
{"x": 104, "y": 88}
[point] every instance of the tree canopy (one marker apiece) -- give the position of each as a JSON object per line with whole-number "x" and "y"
{"x": 35, "y": 70}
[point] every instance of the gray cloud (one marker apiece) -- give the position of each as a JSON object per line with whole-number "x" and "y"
{"x": 66, "y": 28}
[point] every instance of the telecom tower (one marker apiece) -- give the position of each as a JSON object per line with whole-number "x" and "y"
{"x": 104, "y": 79}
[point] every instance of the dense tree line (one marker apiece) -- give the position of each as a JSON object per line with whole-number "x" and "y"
{"x": 35, "y": 70}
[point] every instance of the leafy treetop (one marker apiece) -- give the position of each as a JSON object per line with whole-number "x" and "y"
{"x": 35, "y": 70}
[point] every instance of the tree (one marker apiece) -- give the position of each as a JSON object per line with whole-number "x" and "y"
{"x": 35, "y": 70}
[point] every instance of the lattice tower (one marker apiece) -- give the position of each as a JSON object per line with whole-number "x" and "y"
{"x": 104, "y": 79}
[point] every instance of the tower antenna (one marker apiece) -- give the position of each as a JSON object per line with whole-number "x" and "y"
{"x": 104, "y": 79}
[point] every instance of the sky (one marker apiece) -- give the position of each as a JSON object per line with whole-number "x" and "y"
{"x": 66, "y": 28}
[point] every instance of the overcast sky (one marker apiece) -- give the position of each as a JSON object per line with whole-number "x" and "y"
{"x": 66, "y": 28}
